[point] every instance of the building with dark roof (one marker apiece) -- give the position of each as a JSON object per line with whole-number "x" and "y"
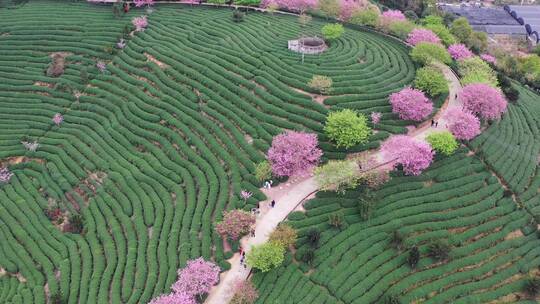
{"x": 493, "y": 21}
{"x": 529, "y": 17}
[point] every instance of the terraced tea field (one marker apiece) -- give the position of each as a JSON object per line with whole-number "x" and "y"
{"x": 153, "y": 149}
{"x": 483, "y": 203}
{"x": 493, "y": 244}
{"x": 512, "y": 149}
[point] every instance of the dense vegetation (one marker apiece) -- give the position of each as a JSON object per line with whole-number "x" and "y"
{"x": 476, "y": 244}
{"x": 157, "y": 139}
{"x": 511, "y": 148}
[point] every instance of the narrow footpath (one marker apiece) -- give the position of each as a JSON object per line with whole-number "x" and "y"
{"x": 289, "y": 196}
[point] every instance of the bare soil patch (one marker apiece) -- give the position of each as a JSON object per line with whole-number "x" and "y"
{"x": 154, "y": 60}
{"x": 514, "y": 234}
{"x": 44, "y": 84}
{"x": 315, "y": 97}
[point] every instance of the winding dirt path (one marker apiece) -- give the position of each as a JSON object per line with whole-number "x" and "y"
{"x": 289, "y": 196}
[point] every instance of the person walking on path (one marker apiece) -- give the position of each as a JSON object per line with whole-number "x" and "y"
{"x": 432, "y": 122}
{"x": 252, "y": 232}
{"x": 273, "y": 203}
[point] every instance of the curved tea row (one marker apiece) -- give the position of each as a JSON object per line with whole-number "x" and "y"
{"x": 155, "y": 148}
{"x": 493, "y": 244}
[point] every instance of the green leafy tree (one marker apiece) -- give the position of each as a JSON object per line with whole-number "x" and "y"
{"x": 308, "y": 256}
{"x": 443, "y": 32}
{"x": 266, "y": 256}
{"x": 536, "y": 50}
{"x": 461, "y": 29}
{"x": 313, "y": 237}
{"x": 532, "y": 286}
{"x": 414, "y": 257}
{"x": 347, "y": 128}
{"x": 330, "y": 8}
{"x": 337, "y": 220}
{"x": 75, "y": 224}
{"x": 365, "y": 208}
{"x": 431, "y": 80}
{"x": 476, "y": 70}
{"x": 511, "y": 93}
{"x": 369, "y": 16}
{"x": 397, "y": 240}
{"x": 391, "y": 299}
{"x": 425, "y": 53}
{"x": 431, "y": 20}
{"x": 439, "y": 250}
{"x": 263, "y": 171}
{"x": 333, "y": 31}
{"x": 478, "y": 42}
{"x": 337, "y": 175}
{"x": 285, "y": 235}
{"x": 238, "y": 16}
{"x": 411, "y": 15}
{"x": 322, "y": 84}
{"x": 401, "y": 29}
{"x": 443, "y": 142}
{"x": 529, "y": 67}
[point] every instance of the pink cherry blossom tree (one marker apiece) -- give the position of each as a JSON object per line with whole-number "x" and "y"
{"x": 483, "y": 100}
{"x": 139, "y": 3}
{"x": 411, "y": 104}
{"x": 245, "y": 195}
{"x": 174, "y": 298}
{"x": 235, "y": 223}
{"x": 413, "y": 154}
{"x": 463, "y": 125}
{"x": 244, "y": 293}
{"x": 196, "y": 278}
{"x": 459, "y": 51}
{"x": 5, "y": 175}
{"x": 393, "y": 15}
{"x": 140, "y": 23}
{"x": 293, "y": 153}
{"x": 419, "y": 35}
{"x": 376, "y": 117}
{"x": 58, "y": 119}
{"x": 102, "y": 67}
{"x": 121, "y": 43}
{"x": 292, "y": 5}
{"x": 348, "y": 7}
{"x": 488, "y": 58}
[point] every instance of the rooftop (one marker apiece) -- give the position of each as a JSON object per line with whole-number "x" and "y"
{"x": 529, "y": 16}
{"x": 489, "y": 20}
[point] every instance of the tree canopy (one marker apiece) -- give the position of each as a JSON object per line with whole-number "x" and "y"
{"x": 347, "y": 128}
{"x": 411, "y": 104}
{"x": 266, "y": 256}
{"x": 413, "y": 154}
{"x": 431, "y": 80}
{"x": 442, "y": 142}
{"x": 483, "y": 100}
{"x": 293, "y": 153}
{"x": 337, "y": 175}
{"x": 332, "y": 31}
{"x": 425, "y": 53}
